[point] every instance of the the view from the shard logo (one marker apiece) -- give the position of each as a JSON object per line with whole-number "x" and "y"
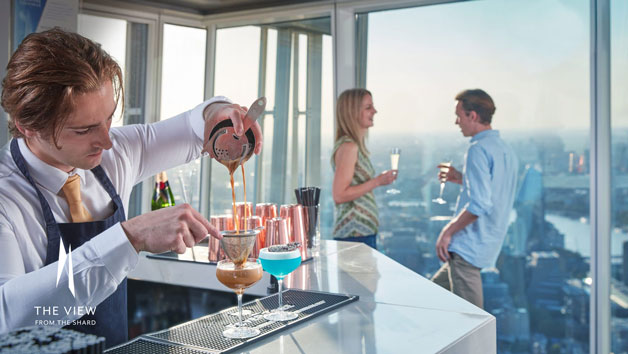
{"x": 62, "y": 258}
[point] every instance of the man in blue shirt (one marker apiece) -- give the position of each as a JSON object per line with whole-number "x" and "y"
{"x": 473, "y": 238}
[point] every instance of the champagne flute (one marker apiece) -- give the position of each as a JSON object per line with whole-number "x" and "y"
{"x": 394, "y": 165}
{"x": 444, "y": 169}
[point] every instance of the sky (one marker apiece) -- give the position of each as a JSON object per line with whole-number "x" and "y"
{"x": 532, "y": 57}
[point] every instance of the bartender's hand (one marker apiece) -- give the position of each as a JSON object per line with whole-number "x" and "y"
{"x": 219, "y": 111}
{"x": 168, "y": 229}
{"x": 452, "y": 174}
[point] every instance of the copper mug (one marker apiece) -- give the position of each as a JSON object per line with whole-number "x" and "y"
{"x": 265, "y": 211}
{"x": 242, "y": 207}
{"x": 222, "y": 223}
{"x": 253, "y": 223}
{"x": 293, "y": 213}
{"x": 276, "y": 232}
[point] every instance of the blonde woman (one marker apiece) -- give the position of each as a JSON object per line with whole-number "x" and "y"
{"x": 354, "y": 177}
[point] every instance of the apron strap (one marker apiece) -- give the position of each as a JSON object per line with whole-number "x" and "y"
{"x": 51, "y": 223}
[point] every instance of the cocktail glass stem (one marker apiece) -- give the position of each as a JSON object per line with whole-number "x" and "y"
{"x": 240, "y": 309}
{"x": 442, "y": 187}
{"x": 280, "y": 282}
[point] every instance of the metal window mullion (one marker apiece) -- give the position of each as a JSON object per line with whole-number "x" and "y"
{"x": 313, "y": 109}
{"x": 135, "y": 97}
{"x": 152, "y": 94}
{"x": 206, "y": 162}
{"x": 362, "y": 26}
{"x": 600, "y": 184}
{"x": 281, "y": 109}
{"x": 294, "y": 163}
{"x": 261, "y": 91}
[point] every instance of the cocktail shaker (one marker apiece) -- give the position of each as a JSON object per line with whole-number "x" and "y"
{"x": 265, "y": 211}
{"x": 242, "y": 207}
{"x": 230, "y": 149}
{"x": 222, "y": 223}
{"x": 309, "y": 197}
{"x": 293, "y": 213}
{"x": 276, "y": 232}
{"x": 253, "y": 223}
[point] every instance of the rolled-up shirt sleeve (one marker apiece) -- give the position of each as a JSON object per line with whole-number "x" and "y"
{"x": 477, "y": 178}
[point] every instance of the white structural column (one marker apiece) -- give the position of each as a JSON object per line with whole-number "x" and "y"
{"x": 313, "y": 107}
{"x": 261, "y": 92}
{"x": 600, "y": 325}
{"x": 280, "y": 123}
{"x": 206, "y": 162}
{"x": 343, "y": 32}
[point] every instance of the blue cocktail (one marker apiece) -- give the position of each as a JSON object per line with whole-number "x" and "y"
{"x": 280, "y": 261}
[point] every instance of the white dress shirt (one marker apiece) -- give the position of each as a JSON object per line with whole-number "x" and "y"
{"x": 101, "y": 264}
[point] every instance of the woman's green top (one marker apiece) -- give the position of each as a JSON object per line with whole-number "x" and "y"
{"x": 358, "y": 217}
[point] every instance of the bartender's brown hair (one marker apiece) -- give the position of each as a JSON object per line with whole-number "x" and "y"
{"x": 46, "y": 74}
{"x": 479, "y": 101}
{"x": 348, "y": 115}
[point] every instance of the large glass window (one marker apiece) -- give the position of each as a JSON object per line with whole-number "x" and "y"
{"x": 237, "y": 77}
{"x": 289, "y": 63}
{"x": 182, "y": 88}
{"x": 619, "y": 170}
{"x": 111, "y": 34}
{"x": 127, "y": 43}
{"x": 532, "y": 57}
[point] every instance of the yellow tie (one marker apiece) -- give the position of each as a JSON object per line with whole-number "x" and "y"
{"x": 72, "y": 191}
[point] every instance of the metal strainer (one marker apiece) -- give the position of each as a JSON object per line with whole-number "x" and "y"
{"x": 238, "y": 246}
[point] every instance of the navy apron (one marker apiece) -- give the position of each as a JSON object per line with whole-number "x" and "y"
{"x": 111, "y": 314}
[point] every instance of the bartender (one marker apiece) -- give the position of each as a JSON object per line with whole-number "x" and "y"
{"x": 66, "y": 176}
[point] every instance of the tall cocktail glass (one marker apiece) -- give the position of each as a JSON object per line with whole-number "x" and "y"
{"x": 239, "y": 272}
{"x": 280, "y": 264}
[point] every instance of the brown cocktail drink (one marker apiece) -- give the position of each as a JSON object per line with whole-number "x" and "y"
{"x": 238, "y": 273}
{"x": 239, "y": 278}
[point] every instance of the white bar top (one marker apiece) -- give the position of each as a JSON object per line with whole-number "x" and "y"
{"x": 398, "y": 310}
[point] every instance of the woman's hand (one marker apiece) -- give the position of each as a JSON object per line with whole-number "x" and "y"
{"x": 387, "y": 177}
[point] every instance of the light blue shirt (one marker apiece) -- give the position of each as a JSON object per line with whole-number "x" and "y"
{"x": 489, "y": 179}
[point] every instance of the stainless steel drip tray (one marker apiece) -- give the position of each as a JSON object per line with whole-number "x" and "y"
{"x": 205, "y": 334}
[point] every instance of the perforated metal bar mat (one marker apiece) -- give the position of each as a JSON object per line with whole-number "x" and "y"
{"x": 206, "y": 332}
{"x": 146, "y": 345}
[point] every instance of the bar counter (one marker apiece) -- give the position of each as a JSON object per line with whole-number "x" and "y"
{"x": 398, "y": 310}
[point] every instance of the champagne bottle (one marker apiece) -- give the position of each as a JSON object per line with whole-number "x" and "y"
{"x": 162, "y": 196}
